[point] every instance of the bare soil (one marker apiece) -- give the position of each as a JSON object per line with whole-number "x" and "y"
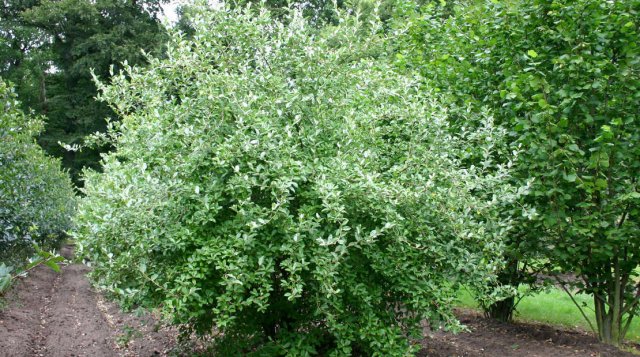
{"x": 51, "y": 314}
{"x": 488, "y": 337}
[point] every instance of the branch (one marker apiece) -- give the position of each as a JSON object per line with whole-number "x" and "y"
{"x": 624, "y": 215}
{"x": 632, "y": 304}
{"x": 562, "y": 284}
{"x": 25, "y": 271}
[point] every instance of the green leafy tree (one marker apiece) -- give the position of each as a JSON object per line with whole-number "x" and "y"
{"x": 24, "y": 57}
{"x": 36, "y": 196}
{"x": 49, "y": 48}
{"x": 318, "y": 12}
{"x": 287, "y": 188}
{"x": 564, "y": 77}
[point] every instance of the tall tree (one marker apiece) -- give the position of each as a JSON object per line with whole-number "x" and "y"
{"x": 49, "y": 48}
{"x": 24, "y": 53}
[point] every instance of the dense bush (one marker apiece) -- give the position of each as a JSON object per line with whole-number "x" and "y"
{"x": 36, "y": 196}
{"x": 564, "y": 77}
{"x": 287, "y": 188}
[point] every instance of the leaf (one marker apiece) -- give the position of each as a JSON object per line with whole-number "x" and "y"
{"x": 35, "y": 261}
{"x": 5, "y": 270}
{"x": 5, "y": 282}
{"x": 573, "y": 147}
{"x": 53, "y": 265}
{"x": 599, "y": 159}
{"x": 532, "y": 53}
{"x": 601, "y": 183}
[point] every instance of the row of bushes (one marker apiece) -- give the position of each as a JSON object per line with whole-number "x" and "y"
{"x": 37, "y": 199}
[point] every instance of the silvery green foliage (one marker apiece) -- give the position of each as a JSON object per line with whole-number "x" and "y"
{"x": 36, "y": 196}
{"x": 5, "y": 277}
{"x": 288, "y": 189}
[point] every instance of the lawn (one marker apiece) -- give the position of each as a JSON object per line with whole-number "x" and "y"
{"x": 554, "y": 307}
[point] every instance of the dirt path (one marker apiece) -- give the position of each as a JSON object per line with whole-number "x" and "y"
{"x": 51, "y": 314}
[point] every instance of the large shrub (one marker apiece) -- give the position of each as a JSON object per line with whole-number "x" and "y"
{"x": 36, "y": 196}
{"x": 285, "y": 187}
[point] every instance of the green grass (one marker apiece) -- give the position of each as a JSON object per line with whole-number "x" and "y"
{"x": 554, "y": 307}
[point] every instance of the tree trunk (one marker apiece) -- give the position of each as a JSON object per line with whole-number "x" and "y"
{"x": 609, "y": 325}
{"x": 610, "y": 309}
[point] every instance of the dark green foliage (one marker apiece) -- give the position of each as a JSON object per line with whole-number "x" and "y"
{"x": 48, "y": 48}
{"x": 36, "y": 197}
{"x": 318, "y": 12}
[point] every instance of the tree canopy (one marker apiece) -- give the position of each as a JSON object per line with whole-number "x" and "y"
{"x": 49, "y": 48}
{"x": 563, "y": 77}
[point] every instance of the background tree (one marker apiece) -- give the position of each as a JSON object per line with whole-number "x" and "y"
{"x": 24, "y": 54}
{"x": 48, "y": 48}
{"x": 322, "y": 12}
{"x": 563, "y": 77}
